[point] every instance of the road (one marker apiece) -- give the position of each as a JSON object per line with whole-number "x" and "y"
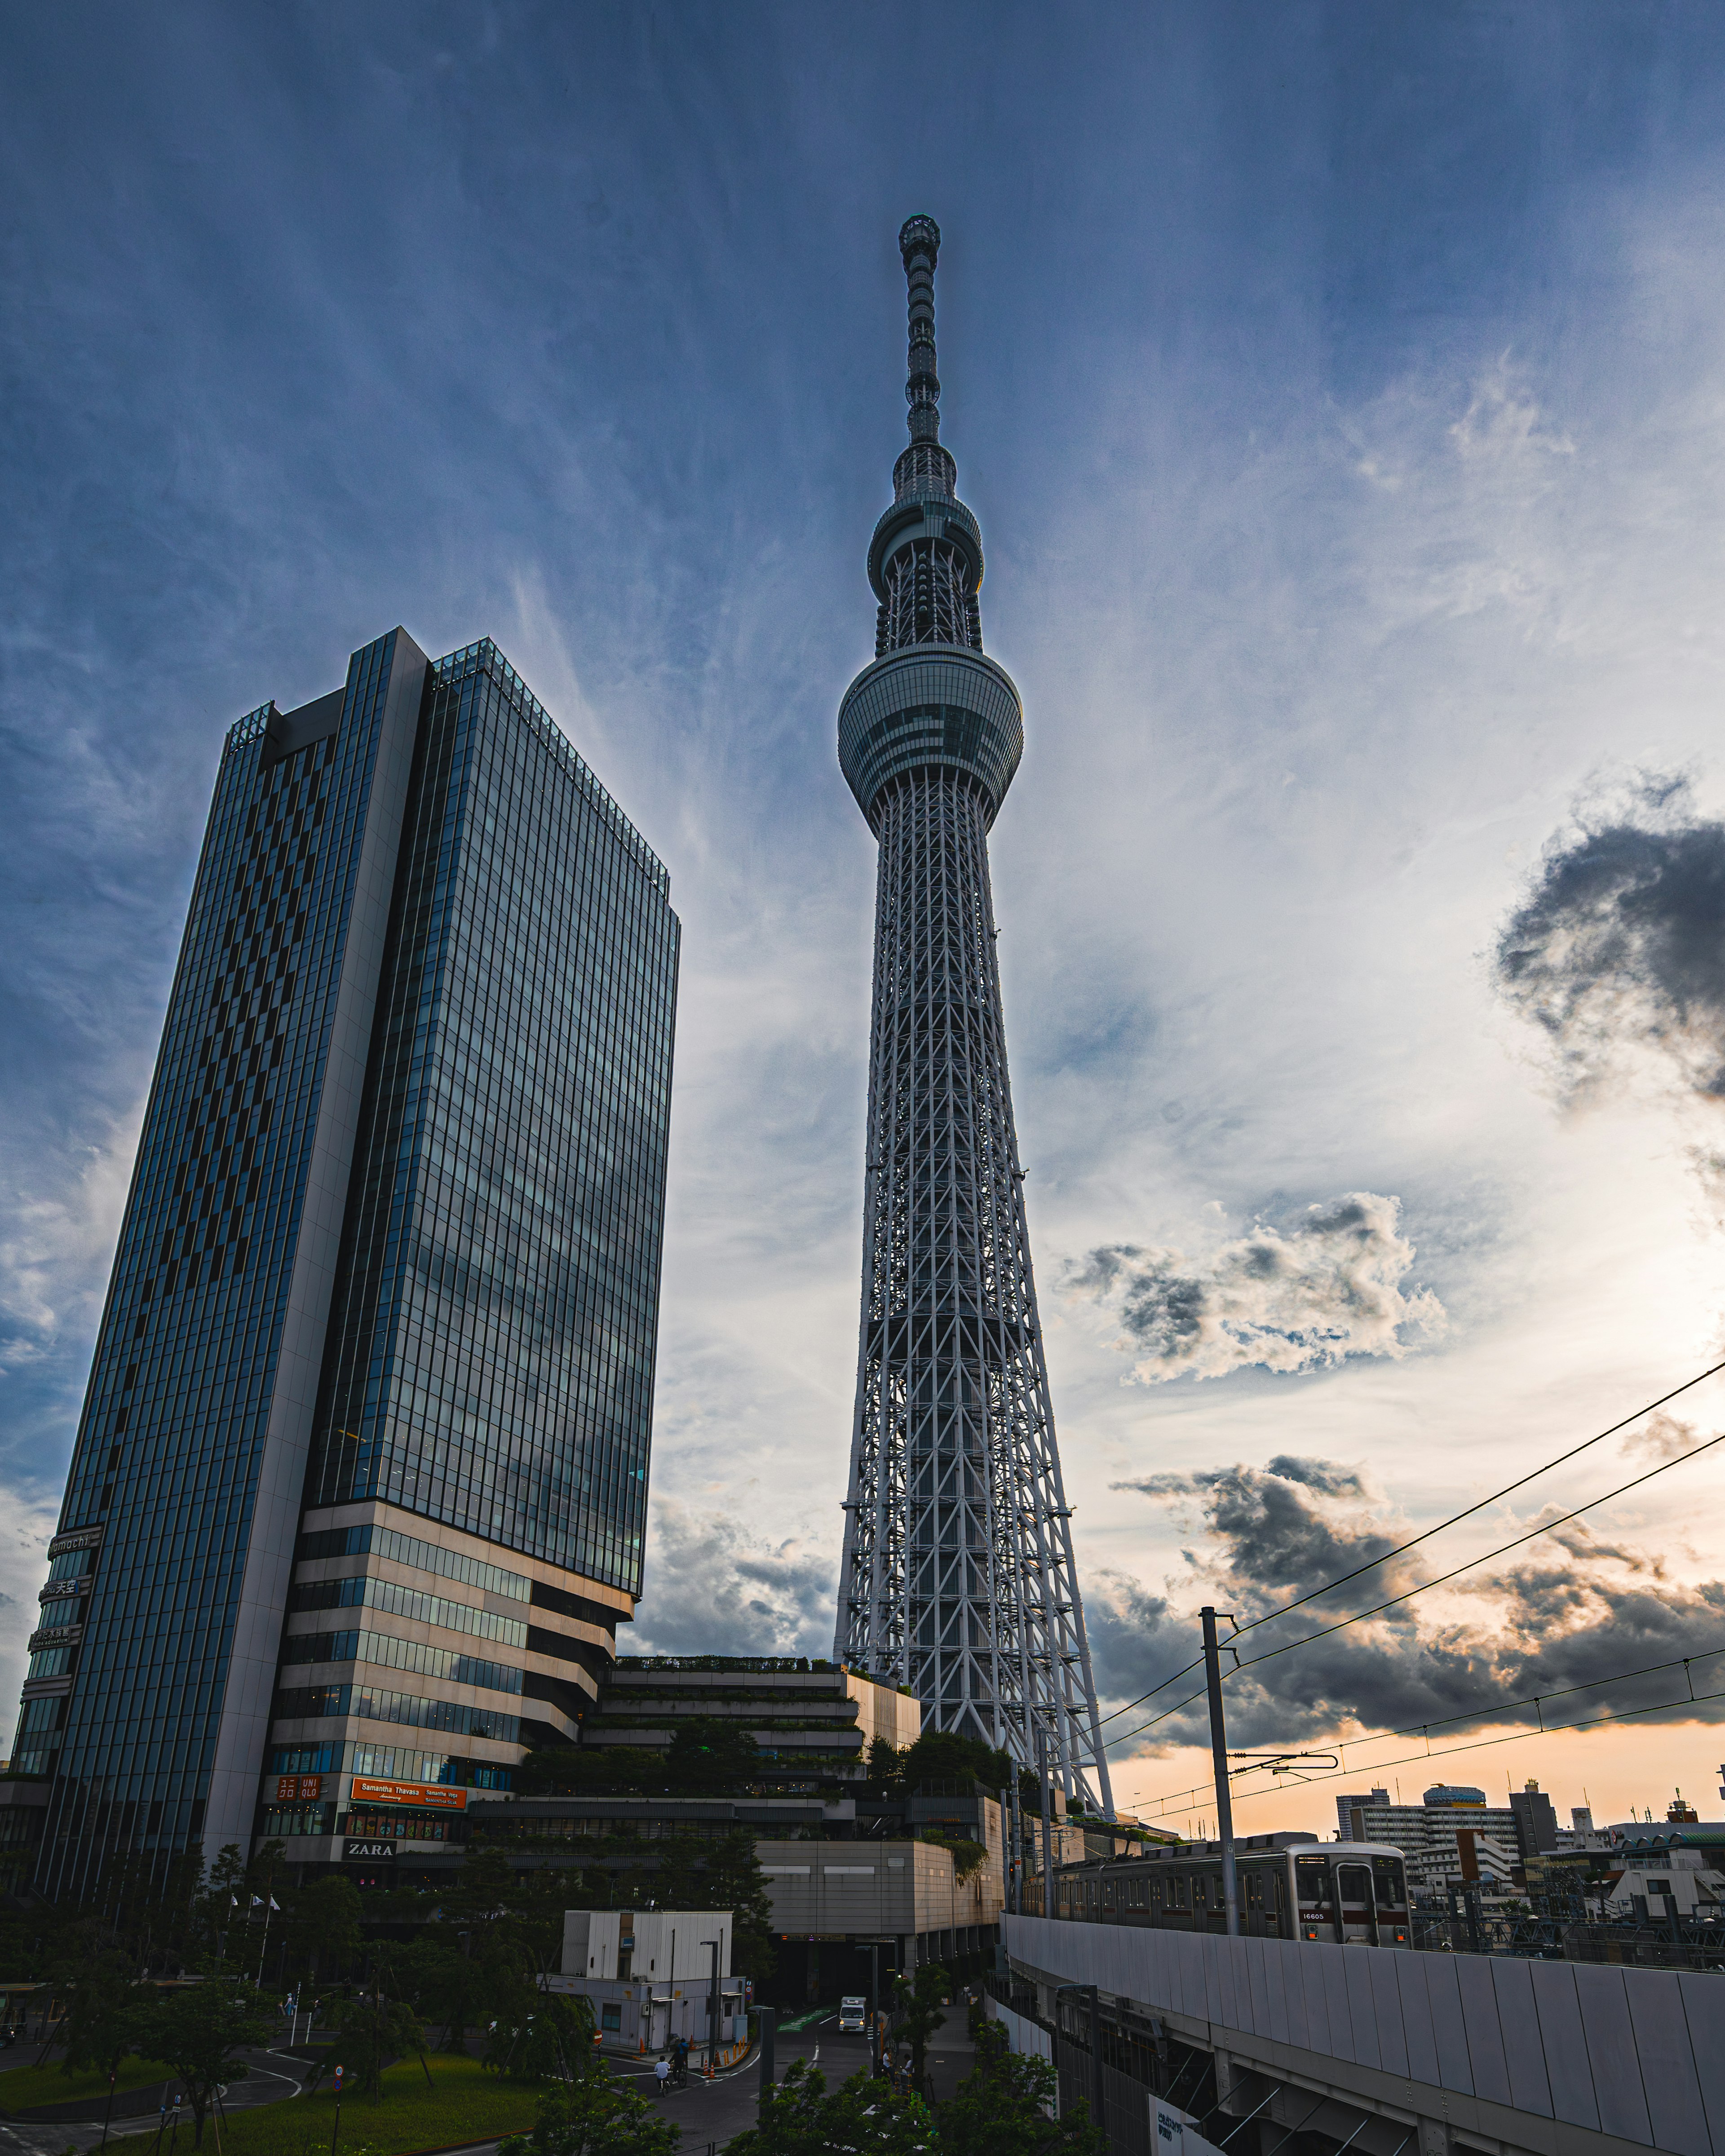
{"x": 712, "y": 2111}
{"x": 271, "y": 2077}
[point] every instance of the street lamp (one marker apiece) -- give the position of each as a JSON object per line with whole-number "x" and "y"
{"x": 713, "y": 2005}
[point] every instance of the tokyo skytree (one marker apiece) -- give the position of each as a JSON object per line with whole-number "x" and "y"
{"x": 957, "y": 1577}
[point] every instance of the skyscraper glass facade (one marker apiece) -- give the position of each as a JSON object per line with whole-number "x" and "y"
{"x": 491, "y": 1366}
{"x": 391, "y": 1255}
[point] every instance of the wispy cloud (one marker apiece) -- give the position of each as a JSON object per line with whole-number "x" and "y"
{"x": 60, "y": 1230}
{"x": 1333, "y": 1284}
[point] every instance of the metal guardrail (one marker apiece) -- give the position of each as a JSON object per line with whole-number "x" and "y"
{"x": 766, "y": 1664}
{"x": 1467, "y": 1927}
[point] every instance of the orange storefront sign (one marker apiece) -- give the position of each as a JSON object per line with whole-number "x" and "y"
{"x": 438, "y": 1797}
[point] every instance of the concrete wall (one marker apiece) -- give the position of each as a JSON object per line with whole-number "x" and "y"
{"x": 1025, "y": 2038}
{"x": 670, "y": 1944}
{"x": 837, "y": 1889}
{"x": 646, "y": 2017}
{"x": 883, "y": 1711}
{"x": 1552, "y": 2056}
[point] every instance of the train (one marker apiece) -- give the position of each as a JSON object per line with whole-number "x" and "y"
{"x": 1290, "y": 1886}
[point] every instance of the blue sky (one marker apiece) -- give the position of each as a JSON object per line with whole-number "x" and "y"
{"x": 1340, "y": 390}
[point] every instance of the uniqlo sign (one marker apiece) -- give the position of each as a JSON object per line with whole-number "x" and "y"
{"x": 296, "y": 1788}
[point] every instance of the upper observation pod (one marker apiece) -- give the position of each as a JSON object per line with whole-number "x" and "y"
{"x": 931, "y": 699}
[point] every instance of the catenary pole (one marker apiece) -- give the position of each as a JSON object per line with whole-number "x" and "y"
{"x": 1218, "y": 1754}
{"x": 1048, "y": 1907}
{"x": 769, "y": 2025}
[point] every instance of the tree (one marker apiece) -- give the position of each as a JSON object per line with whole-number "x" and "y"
{"x": 561, "y": 1770}
{"x": 370, "y": 2030}
{"x": 323, "y": 1926}
{"x": 147, "y": 1907}
{"x": 737, "y": 1882}
{"x": 799, "y": 2117}
{"x": 511, "y": 1916}
{"x": 217, "y": 1905}
{"x": 694, "y": 1874}
{"x": 592, "y": 2115}
{"x": 1003, "y": 2107}
{"x": 448, "y": 1985}
{"x": 499, "y": 1935}
{"x": 73, "y": 1943}
{"x": 710, "y": 1757}
{"x": 681, "y": 1873}
{"x": 200, "y": 2032}
{"x": 267, "y": 1870}
{"x": 538, "y": 2035}
{"x": 100, "y": 2018}
{"x": 941, "y": 1755}
{"x": 886, "y": 1767}
{"x": 917, "y": 2014}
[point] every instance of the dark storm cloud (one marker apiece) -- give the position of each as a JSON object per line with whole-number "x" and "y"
{"x": 1276, "y": 1530}
{"x": 1135, "y": 1638}
{"x": 1580, "y": 1608}
{"x": 712, "y": 1580}
{"x": 1323, "y": 1475}
{"x": 1620, "y": 942}
{"x": 1331, "y": 1285}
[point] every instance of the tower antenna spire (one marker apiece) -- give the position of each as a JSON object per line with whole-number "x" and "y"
{"x": 925, "y": 470}
{"x": 958, "y": 1578}
{"x": 919, "y": 243}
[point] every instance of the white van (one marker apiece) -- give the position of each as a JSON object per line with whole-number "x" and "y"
{"x": 853, "y": 2016}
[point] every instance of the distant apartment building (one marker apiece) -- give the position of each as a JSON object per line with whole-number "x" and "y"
{"x": 1536, "y": 1830}
{"x": 1426, "y": 1833}
{"x": 1486, "y": 1862}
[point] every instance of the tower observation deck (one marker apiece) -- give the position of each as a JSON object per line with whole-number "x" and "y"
{"x": 957, "y": 1577}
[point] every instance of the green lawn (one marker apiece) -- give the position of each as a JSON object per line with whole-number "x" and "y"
{"x": 24, "y": 2086}
{"x": 467, "y": 2104}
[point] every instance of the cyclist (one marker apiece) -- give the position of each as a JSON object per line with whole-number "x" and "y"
{"x": 661, "y": 2073}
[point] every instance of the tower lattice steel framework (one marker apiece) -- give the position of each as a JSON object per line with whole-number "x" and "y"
{"x": 958, "y": 1578}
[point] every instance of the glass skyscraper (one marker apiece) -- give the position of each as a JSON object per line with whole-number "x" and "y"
{"x": 358, "y": 1494}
